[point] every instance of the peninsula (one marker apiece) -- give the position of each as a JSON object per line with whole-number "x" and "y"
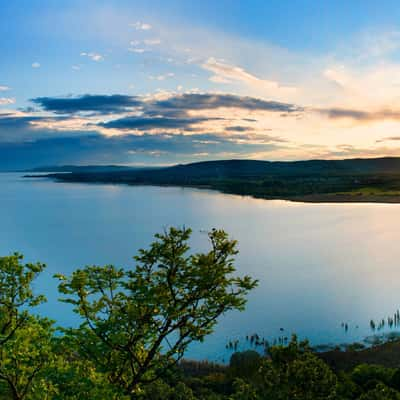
{"x": 348, "y": 180}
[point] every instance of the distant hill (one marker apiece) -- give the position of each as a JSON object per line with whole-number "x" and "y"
{"x": 314, "y": 180}
{"x": 249, "y": 167}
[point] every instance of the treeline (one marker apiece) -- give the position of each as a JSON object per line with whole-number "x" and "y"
{"x": 136, "y": 326}
{"x": 275, "y": 180}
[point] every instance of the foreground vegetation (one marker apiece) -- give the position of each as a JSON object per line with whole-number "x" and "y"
{"x": 354, "y": 180}
{"x": 137, "y": 324}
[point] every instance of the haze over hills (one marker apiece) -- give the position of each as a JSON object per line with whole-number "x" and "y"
{"x": 84, "y": 168}
{"x": 241, "y": 167}
{"x": 376, "y": 179}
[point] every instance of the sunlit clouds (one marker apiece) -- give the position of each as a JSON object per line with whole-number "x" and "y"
{"x": 133, "y": 86}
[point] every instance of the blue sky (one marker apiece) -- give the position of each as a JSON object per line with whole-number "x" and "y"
{"x": 160, "y": 82}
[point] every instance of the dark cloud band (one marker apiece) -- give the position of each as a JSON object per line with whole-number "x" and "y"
{"x": 198, "y": 101}
{"x": 88, "y": 103}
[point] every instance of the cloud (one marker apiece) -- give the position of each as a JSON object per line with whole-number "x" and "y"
{"x": 363, "y": 85}
{"x": 207, "y": 101}
{"x": 226, "y": 73}
{"x": 35, "y": 65}
{"x": 4, "y": 88}
{"x": 152, "y": 42}
{"x": 170, "y": 106}
{"x": 359, "y": 115}
{"x": 6, "y": 101}
{"x": 137, "y": 50}
{"x": 141, "y": 26}
{"x": 193, "y": 113}
{"x": 389, "y": 139}
{"x": 128, "y": 149}
{"x": 93, "y": 56}
{"x": 351, "y": 151}
{"x": 144, "y": 123}
{"x": 162, "y": 77}
{"x": 87, "y": 103}
{"x": 21, "y": 127}
{"x": 237, "y": 128}
{"x": 144, "y": 46}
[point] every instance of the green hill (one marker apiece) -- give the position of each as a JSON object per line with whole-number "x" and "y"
{"x": 376, "y": 179}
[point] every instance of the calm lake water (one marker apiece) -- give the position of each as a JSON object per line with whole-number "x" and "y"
{"x": 318, "y": 264}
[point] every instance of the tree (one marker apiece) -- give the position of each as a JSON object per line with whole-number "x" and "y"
{"x": 245, "y": 364}
{"x": 25, "y": 340}
{"x": 295, "y": 372}
{"x": 25, "y": 360}
{"x": 138, "y": 323}
{"x": 243, "y": 391}
{"x": 16, "y": 294}
{"x": 381, "y": 392}
{"x": 77, "y": 378}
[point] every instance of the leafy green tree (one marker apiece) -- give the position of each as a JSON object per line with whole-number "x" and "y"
{"x": 160, "y": 390}
{"x": 138, "y": 323}
{"x": 16, "y": 295}
{"x": 368, "y": 376}
{"x": 381, "y": 392}
{"x": 245, "y": 364}
{"x": 25, "y": 359}
{"x": 75, "y": 377}
{"x": 347, "y": 388}
{"x": 25, "y": 340}
{"x": 295, "y": 372}
{"x": 244, "y": 391}
{"x": 395, "y": 380}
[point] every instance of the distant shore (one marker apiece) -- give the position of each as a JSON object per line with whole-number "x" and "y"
{"x": 351, "y": 197}
{"x": 314, "y": 181}
{"x": 347, "y": 198}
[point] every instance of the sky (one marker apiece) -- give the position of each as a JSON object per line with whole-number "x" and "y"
{"x": 176, "y": 81}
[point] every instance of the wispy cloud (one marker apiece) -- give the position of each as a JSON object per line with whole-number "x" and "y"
{"x": 93, "y": 56}
{"x": 152, "y": 42}
{"x": 359, "y": 115}
{"x": 141, "y": 26}
{"x": 137, "y": 50}
{"x": 226, "y": 73}
{"x": 4, "y": 88}
{"x": 35, "y": 64}
{"x": 6, "y": 101}
{"x": 162, "y": 77}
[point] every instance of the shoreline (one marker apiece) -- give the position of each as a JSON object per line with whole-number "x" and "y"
{"x": 318, "y": 198}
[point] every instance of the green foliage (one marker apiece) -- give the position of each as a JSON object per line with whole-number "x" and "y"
{"x": 16, "y": 294}
{"x": 76, "y": 378}
{"x": 24, "y": 359}
{"x": 395, "y": 380}
{"x": 25, "y": 340}
{"x": 381, "y": 392}
{"x": 294, "y": 372}
{"x": 138, "y": 323}
{"x": 243, "y": 391}
{"x": 366, "y": 375}
{"x": 244, "y": 364}
{"x": 159, "y": 390}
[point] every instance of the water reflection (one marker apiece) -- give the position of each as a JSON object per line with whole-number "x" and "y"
{"x": 318, "y": 264}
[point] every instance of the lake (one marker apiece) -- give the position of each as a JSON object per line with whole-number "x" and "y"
{"x": 318, "y": 264}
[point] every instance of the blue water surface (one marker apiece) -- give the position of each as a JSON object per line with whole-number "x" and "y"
{"x": 318, "y": 264}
